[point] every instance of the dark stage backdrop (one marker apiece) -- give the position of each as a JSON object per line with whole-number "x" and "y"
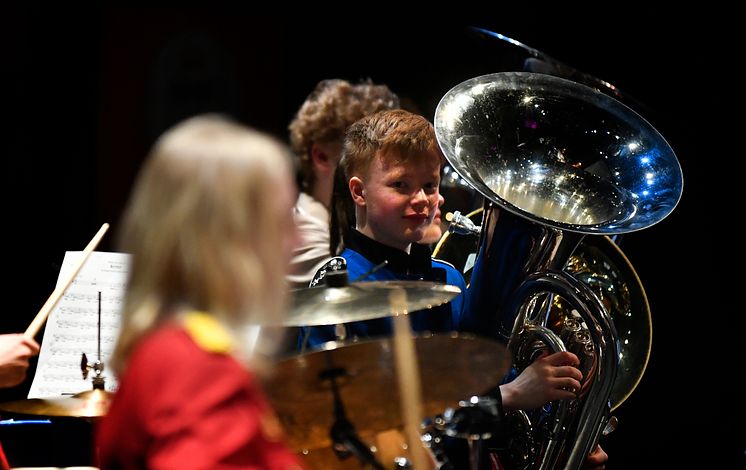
{"x": 88, "y": 91}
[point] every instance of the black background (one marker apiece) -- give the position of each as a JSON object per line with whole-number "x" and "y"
{"x": 86, "y": 92}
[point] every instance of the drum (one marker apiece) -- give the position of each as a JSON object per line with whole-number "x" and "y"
{"x": 359, "y": 380}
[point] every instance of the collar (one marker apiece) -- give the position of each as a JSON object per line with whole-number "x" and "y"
{"x": 417, "y": 264}
{"x": 209, "y": 334}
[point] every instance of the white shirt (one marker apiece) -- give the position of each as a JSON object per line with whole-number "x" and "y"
{"x": 312, "y": 219}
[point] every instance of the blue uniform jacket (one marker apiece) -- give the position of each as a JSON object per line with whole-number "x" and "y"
{"x": 365, "y": 253}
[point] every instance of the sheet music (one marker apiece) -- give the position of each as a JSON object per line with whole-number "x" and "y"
{"x": 72, "y": 327}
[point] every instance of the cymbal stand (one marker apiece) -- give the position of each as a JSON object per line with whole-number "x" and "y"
{"x": 98, "y": 366}
{"x": 476, "y": 421}
{"x": 344, "y": 437}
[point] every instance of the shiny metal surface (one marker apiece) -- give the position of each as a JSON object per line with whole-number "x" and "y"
{"x": 601, "y": 265}
{"x": 363, "y": 301}
{"x": 556, "y": 161}
{"x": 558, "y": 152}
{"x": 452, "y": 368}
{"x": 536, "y": 61}
{"x": 575, "y": 425}
{"x": 89, "y": 404}
{"x": 507, "y": 54}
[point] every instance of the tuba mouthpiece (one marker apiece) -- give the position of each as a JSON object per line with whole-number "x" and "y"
{"x": 461, "y": 224}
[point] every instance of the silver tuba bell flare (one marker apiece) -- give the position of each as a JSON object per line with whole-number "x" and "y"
{"x": 555, "y": 161}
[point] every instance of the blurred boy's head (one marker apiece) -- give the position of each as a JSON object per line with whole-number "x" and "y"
{"x": 319, "y": 126}
{"x": 392, "y": 162}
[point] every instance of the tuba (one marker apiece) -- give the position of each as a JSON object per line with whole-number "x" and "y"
{"x": 555, "y": 161}
{"x": 599, "y": 264}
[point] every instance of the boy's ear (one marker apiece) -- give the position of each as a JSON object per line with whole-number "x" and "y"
{"x": 356, "y": 190}
{"x": 319, "y": 157}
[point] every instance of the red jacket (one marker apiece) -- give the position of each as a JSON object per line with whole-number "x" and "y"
{"x": 3, "y": 461}
{"x": 181, "y": 407}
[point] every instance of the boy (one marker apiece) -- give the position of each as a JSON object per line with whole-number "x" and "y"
{"x": 391, "y": 160}
{"x": 316, "y": 134}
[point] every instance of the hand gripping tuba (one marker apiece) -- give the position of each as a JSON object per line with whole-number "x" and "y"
{"x": 601, "y": 265}
{"x": 555, "y": 161}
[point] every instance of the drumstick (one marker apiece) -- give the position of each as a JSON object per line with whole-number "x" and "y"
{"x": 408, "y": 373}
{"x": 46, "y": 309}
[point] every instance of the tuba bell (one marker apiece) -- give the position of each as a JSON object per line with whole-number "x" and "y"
{"x": 555, "y": 161}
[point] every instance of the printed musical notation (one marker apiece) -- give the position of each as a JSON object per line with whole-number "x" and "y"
{"x": 72, "y": 327}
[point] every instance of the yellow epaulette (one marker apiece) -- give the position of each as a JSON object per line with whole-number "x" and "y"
{"x": 207, "y": 332}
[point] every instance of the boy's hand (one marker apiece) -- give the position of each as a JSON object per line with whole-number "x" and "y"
{"x": 549, "y": 377}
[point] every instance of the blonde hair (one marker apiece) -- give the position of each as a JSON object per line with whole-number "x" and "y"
{"x": 203, "y": 231}
{"x": 327, "y": 112}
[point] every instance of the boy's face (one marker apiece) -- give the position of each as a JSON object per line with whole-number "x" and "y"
{"x": 400, "y": 197}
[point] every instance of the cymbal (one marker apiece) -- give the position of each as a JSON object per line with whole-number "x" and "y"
{"x": 452, "y": 367}
{"x": 363, "y": 301}
{"x": 88, "y": 404}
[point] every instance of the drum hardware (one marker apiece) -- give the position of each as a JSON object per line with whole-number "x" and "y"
{"x": 97, "y": 367}
{"x": 402, "y": 462}
{"x": 452, "y": 366}
{"x": 433, "y": 439}
{"x": 358, "y": 375}
{"x": 67, "y": 441}
{"x": 334, "y": 274}
{"x": 90, "y": 404}
{"x": 475, "y": 420}
{"x": 345, "y": 440}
